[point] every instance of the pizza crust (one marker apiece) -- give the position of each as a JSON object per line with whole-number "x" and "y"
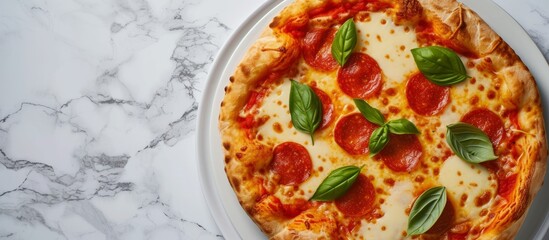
{"x": 274, "y": 50}
{"x": 463, "y": 26}
{"x": 311, "y": 224}
{"x": 245, "y": 156}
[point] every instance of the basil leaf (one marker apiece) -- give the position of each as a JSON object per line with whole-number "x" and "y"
{"x": 344, "y": 42}
{"x": 373, "y": 115}
{"x": 336, "y": 184}
{"x": 426, "y": 210}
{"x": 402, "y": 126}
{"x": 305, "y": 108}
{"x": 469, "y": 143}
{"x": 440, "y": 65}
{"x": 378, "y": 140}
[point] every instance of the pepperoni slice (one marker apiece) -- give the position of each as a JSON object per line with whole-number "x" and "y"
{"x": 317, "y": 49}
{"x": 425, "y": 97}
{"x": 359, "y": 199}
{"x": 487, "y": 121}
{"x": 352, "y": 133}
{"x": 360, "y": 77}
{"x": 327, "y": 107}
{"x": 292, "y": 163}
{"x": 402, "y": 153}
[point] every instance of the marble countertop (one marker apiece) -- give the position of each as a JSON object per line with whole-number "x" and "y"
{"x": 98, "y": 104}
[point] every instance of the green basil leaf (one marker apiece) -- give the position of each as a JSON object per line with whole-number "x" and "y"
{"x": 378, "y": 140}
{"x": 344, "y": 42}
{"x": 469, "y": 143}
{"x": 426, "y": 210}
{"x": 305, "y": 108}
{"x": 402, "y": 126}
{"x": 336, "y": 184}
{"x": 373, "y": 115}
{"x": 440, "y": 65}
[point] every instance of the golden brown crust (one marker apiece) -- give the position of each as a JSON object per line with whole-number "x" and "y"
{"x": 311, "y": 224}
{"x": 465, "y": 27}
{"x": 408, "y": 11}
{"x": 275, "y": 50}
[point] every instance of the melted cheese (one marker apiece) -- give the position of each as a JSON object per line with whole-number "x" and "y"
{"x": 278, "y": 129}
{"x": 390, "y": 46}
{"x": 465, "y": 184}
{"x": 394, "y": 221}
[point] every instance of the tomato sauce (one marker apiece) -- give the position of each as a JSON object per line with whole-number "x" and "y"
{"x": 255, "y": 97}
{"x": 295, "y": 208}
{"x": 457, "y": 236}
{"x": 254, "y": 100}
{"x": 262, "y": 189}
{"x": 349, "y": 228}
{"x": 296, "y": 27}
{"x": 249, "y": 122}
{"x": 426, "y": 35}
{"x": 506, "y": 185}
{"x": 340, "y": 12}
{"x": 337, "y": 10}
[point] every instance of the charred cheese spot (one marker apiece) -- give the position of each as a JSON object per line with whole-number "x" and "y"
{"x": 277, "y": 127}
{"x": 470, "y": 64}
{"x": 419, "y": 179}
{"x": 236, "y": 184}
{"x": 389, "y": 181}
{"x": 483, "y": 198}
{"x": 491, "y": 94}
{"x": 474, "y": 101}
{"x": 394, "y": 110}
{"x": 390, "y": 92}
{"x": 463, "y": 199}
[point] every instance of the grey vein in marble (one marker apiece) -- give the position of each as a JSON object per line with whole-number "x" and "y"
{"x": 79, "y": 156}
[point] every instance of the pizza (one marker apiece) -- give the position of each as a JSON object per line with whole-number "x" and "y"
{"x": 379, "y": 119}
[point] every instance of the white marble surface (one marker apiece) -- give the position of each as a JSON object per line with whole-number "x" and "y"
{"x": 98, "y": 102}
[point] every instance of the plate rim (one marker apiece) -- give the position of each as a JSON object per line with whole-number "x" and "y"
{"x": 212, "y": 198}
{"x": 209, "y": 183}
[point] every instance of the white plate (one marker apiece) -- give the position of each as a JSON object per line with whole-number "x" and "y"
{"x": 231, "y": 219}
